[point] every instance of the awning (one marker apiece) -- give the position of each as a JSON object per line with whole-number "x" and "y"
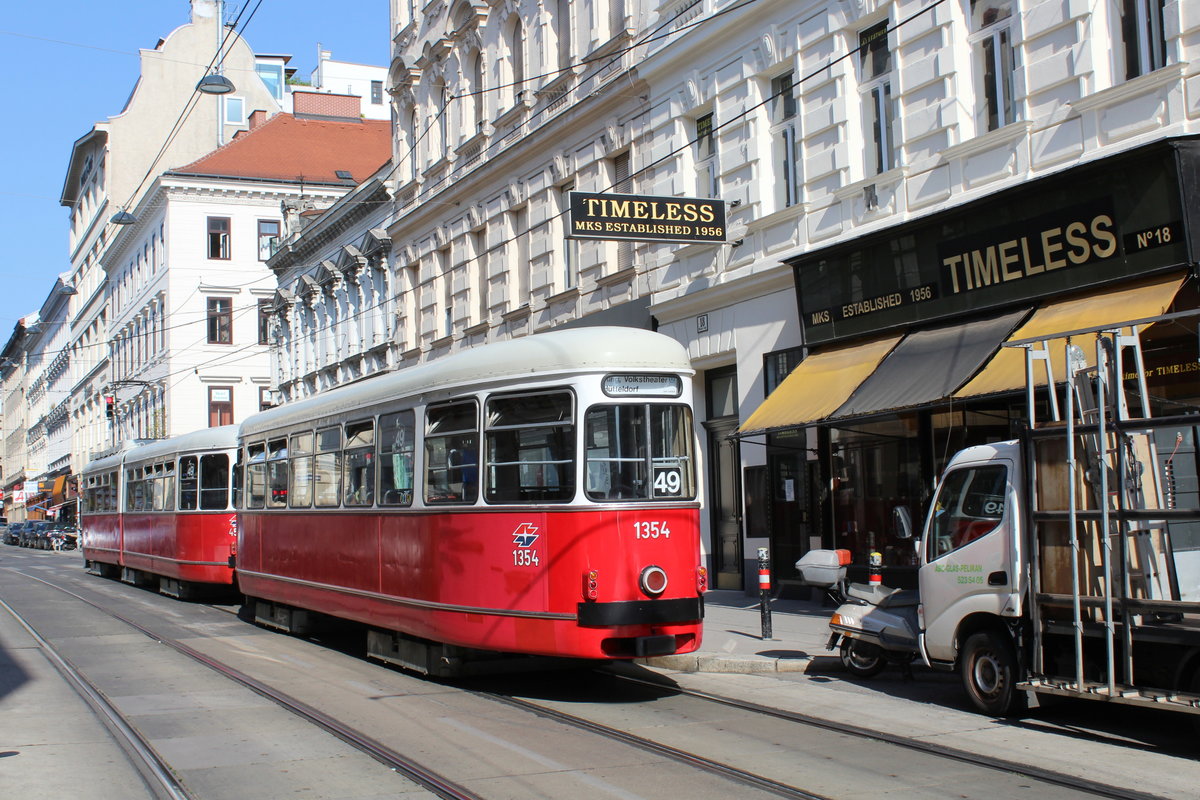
{"x": 818, "y": 386}
{"x": 930, "y": 364}
{"x": 1006, "y": 371}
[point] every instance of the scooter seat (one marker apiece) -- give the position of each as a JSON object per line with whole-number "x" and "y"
{"x": 871, "y": 593}
{"x": 901, "y": 598}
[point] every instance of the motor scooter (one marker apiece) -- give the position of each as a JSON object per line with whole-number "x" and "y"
{"x": 874, "y": 625}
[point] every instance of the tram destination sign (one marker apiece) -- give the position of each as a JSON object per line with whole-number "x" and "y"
{"x": 640, "y": 217}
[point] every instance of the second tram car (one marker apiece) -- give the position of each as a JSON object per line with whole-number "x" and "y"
{"x": 533, "y": 496}
{"x": 160, "y": 512}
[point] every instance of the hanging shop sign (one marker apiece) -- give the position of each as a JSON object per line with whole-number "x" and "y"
{"x": 646, "y": 218}
{"x": 1104, "y": 222}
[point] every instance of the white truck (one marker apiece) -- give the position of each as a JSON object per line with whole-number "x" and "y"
{"x": 1065, "y": 562}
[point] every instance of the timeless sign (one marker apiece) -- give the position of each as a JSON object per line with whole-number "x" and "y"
{"x": 646, "y": 218}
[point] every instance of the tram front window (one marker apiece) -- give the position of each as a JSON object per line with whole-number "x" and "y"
{"x": 214, "y": 482}
{"x": 639, "y": 452}
{"x": 530, "y": 445}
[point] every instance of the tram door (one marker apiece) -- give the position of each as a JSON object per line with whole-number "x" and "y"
{"x": 724, "y": 486}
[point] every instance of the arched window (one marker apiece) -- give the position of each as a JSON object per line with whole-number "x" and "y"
{"x": 514, "y": 79}
{"x": 477, "y": 88}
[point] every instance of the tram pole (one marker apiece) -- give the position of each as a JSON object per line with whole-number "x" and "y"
{"x": 764, "y": 591}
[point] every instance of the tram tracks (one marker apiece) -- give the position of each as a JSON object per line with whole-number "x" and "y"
{"x": 755, "y": 778}
{"x": 160, "y": 772}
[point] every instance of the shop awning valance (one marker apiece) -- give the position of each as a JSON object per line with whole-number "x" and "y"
{"x": 1005, "y": 372}
{"x": 818, "y": 386}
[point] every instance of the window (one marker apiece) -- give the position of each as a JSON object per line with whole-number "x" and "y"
{"x": 452, "y": 453}
{"x": 570, "y": 246}
{"x": 272, "y": 78}
{"x": 875, "y": 67}
{"x": 360, "y": 463}
{"x": 218, "y": 237}
{"x": 264, "y": 321}
{"x": 623, "y": 184}
{"x": 235, "y": 110}
{"x": 214, "y": 482}
{"x": 396, "y": 437}
{"x": 277, "y": 473}
{"x": 328, "y": 468}
{"x": 707, "y": 183}
{"x": 256, "y": 476}
{"x": 639, "y": 452}
{"x": 220, "y": 320}
{"x": 189, "y": 483}
{"x": 1142, "y": 32}
{"x": 530, "y": 446}
{"x": 220, "y": 406}
{"x": 969, "y": 505}
{"x": 778, "y": 365}
{"x": 995, "y": 63}
{"x": 377, "y": 92}
{"x": 266, "y": 398}
{"x": 786, "y": 142}
{"x": 300, "y": 484}
{"x": 268, "y": 238}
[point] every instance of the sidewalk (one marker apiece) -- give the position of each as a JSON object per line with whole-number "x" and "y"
{"x": 733, "y": 636}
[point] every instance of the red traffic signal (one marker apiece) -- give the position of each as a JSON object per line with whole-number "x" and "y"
{"x": 109, "y": 403}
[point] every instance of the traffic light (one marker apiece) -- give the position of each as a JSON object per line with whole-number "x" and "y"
{"x": 109, "y": 403}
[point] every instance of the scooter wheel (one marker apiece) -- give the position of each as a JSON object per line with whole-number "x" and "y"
{"x": 858, "y": 661}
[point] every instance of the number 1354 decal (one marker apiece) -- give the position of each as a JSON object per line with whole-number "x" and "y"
{"x": 651, "y": 530}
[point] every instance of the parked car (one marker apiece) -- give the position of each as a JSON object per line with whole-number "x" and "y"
{"x": 12, "y": 533}
{"x": 32, "y": 532}
{"x": 62, "y": 536}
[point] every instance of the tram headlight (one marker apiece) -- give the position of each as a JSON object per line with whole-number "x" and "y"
{"x": 653, "y": 581}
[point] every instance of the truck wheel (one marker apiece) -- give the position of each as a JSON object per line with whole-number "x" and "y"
{"x": 858, "y": 659}
{"x": 989, "y": 674}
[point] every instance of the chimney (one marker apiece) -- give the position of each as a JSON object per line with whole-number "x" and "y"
{"x": 327, "y": 106}
{"x": 257, "y": 118}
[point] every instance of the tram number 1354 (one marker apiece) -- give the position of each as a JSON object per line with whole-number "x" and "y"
{"x": 523, "y": 557}
{"x": 651, "y": 530}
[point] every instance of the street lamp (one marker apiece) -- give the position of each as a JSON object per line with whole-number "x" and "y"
{"x": 215, "y": 83}
{"x": 122, "y": 217}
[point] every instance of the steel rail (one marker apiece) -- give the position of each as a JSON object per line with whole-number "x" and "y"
{"x": 155, "y": 772}
{"x": 966, "y": 757}
{"x": 439, "y": 785}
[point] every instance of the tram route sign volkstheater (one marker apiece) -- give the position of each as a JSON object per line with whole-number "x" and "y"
{"x": 640, "y": 217}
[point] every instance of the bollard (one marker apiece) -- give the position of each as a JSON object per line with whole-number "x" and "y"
{"x": 764, "y": 591}
{"x": 876, "y": 569}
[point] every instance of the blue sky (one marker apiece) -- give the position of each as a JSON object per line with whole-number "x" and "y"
{"x": 72, "y": 63}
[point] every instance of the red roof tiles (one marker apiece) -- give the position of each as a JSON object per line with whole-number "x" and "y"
{"x": 290, "y": 149}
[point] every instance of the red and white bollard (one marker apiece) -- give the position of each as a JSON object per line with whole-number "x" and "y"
{"x": 876, "y": 573}
{"x": 764, "y": 591}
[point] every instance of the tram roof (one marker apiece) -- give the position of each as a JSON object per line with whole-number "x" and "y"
{"x": 223, "y": 437}
{"x": 571, "y": 351}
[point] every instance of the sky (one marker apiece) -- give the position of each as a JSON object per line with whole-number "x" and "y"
{"x": 73, "y": 63}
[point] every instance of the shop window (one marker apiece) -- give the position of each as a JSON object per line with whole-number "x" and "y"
{"x": 875, "y": 87}
{"x": 1145, "y": 47}
{"x": 995, "y": 63}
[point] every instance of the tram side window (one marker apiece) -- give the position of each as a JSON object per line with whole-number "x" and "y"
{"x": 214, "y": 482}
{"x": 530, "y": 446}
{"x": 135, "y": 490}
{"x": 300, "y": 478}
{"x": 277, "y": 478}
{"x": 189, "y": 484}
{"x": 168, "y": 486}
{"x": 328, "y": 468}
{"x": 360, "y": 463}
{"x": 256, "y": 476}
{"x": 396, "y": 437}
{"x": 154, "y": 484}
{"x": 452, "y": 453}
{"x": 639, "y": 452}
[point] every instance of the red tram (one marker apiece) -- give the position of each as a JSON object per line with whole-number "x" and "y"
{"x": 534, "y": 496}
{"x": 160, "y": 512}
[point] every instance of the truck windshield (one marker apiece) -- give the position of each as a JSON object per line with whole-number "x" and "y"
{"x": 969, "y": 505}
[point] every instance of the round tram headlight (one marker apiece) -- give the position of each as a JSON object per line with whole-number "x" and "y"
{"x": 653, "y": 580}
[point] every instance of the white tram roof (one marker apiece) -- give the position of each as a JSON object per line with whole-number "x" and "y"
{"x": 572, "y": 351}
{"x": 204, "y": 440}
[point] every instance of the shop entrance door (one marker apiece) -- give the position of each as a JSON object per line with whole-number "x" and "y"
{"x": 724, "y": 502}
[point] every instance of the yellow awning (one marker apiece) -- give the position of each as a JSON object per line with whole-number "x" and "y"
{"x": 1006, "y": 370}
{"x": 819, "y": 385}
